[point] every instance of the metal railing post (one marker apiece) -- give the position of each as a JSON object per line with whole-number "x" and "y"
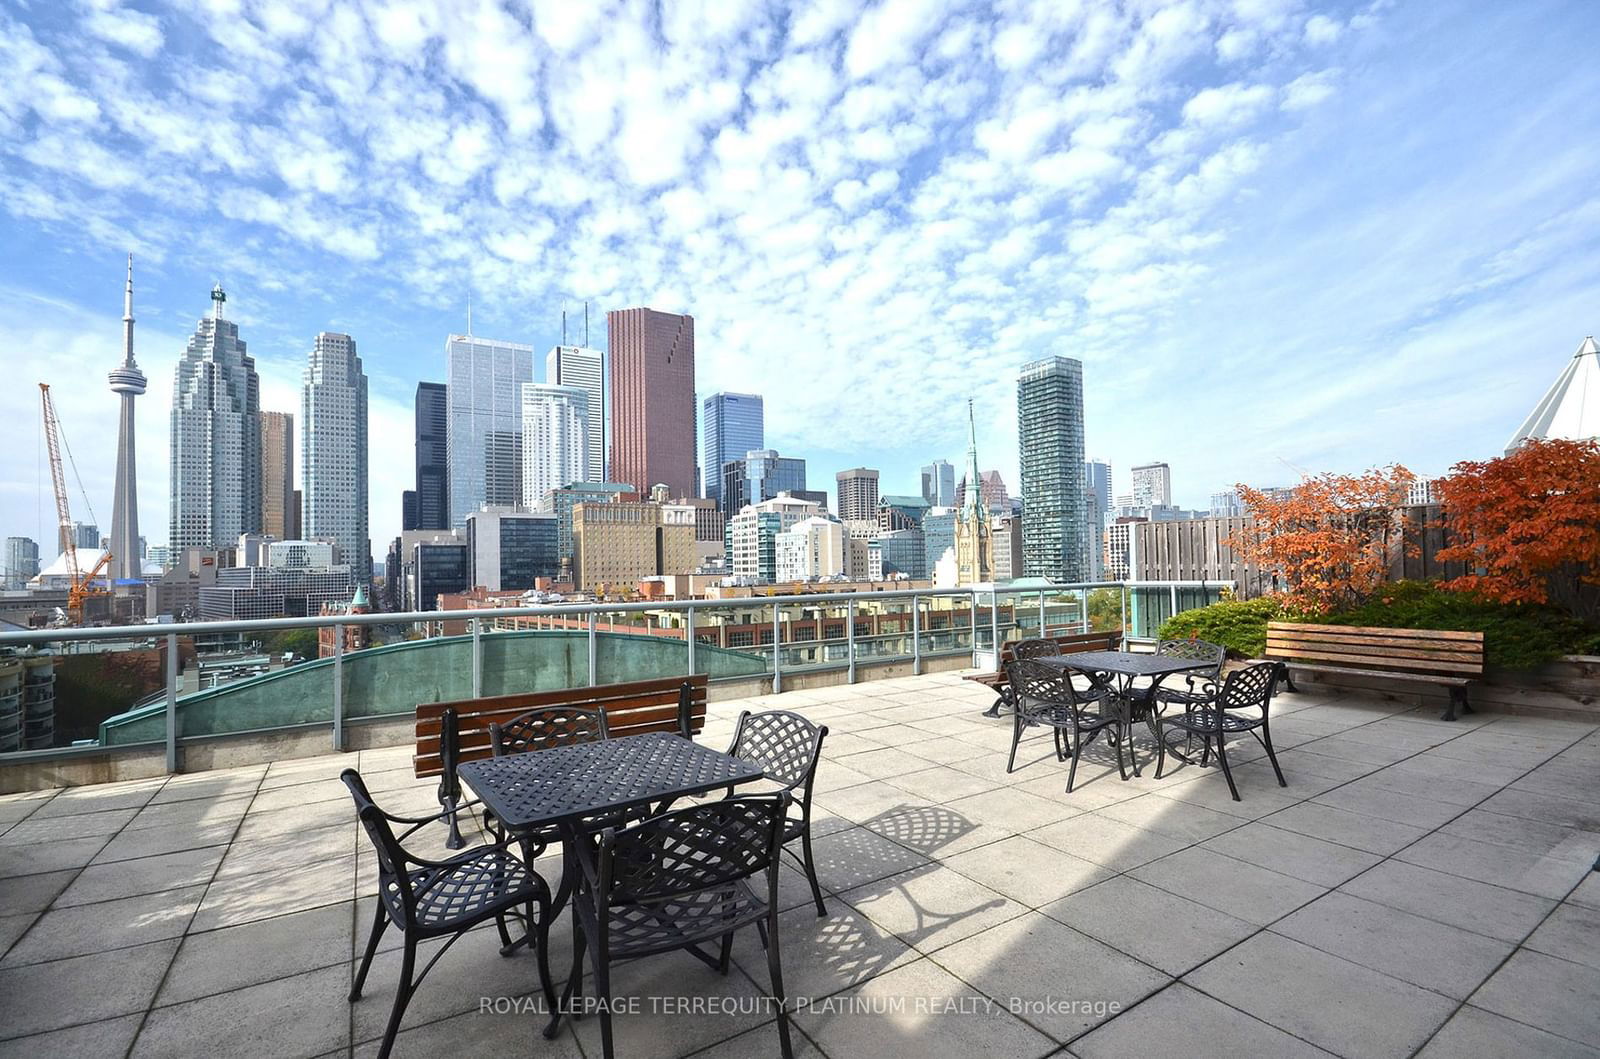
{"x": 592, "y": 670}
{"x": 972, "y": 625}
{"x": 850, "y": 638}
{"x": 916, "y": 637}
{"x": 1174, "y": 590}
{"x": 172, "y": 703}
{"x": 338, "y": 686}
{"x": 1043, "y": 632}
{"x": 994, "y": 624}
{"x": 688, "y": 626}
{"x": 1124, "y": 617}
{"x": 1083, "y": 610}
{"x": 477, "y": 660}
{"x": 777, "y": 648}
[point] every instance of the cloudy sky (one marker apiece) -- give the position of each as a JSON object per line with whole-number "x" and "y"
{"x": 1279, "y": 234}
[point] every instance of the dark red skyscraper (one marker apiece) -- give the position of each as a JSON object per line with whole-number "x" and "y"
{"x": 652, "y": 399}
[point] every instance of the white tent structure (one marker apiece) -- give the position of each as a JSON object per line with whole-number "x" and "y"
{"x": 1571, "y": 409}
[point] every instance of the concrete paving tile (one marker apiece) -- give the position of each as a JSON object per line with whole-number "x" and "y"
{"x": 1555, "y": 995}
{"x": 219, "y": 783}
{"x": 1587, "y": 892}
{"x": 38, "y": 830}
{"x": 1530, "y": 836}
{"x": 245, "y": 898}
{"x": 1256, "y": 895}
{"x": 32, "y": 893}
{"x": 107, "y": 1037}
{"x": 865, "y": 801}
{"x": 918, "y": 1010}
{"x": 101, "y": 986}
{"x": 1172, "y": 1021}
{"x": 887, "y": 762}
{"x": 1488, "y": 862}
{"x": 252, "y": 1022}
{"x": 1421, "y": 951}
{"x": 1291, "y": 853}
{"x": 171, "y": 871}
{"x": 13, "y": 927}
{"x": 1335, "y": 1004}
{"x": 511, "y": 1032}
{"x": 1180, "y": 819}
{"x": 1162, "y": 929}
{"x": 1572, "y": 933}
{"x": 846, "y": 859}
{"x": 55, "y": 855}
{"x": 1544, "y": 808}
{"x": 1372, "y": 800}
{"x": 97, "y": 798}
{"x": 1453, "y": 789}
{"x": 1014, "y": 810}
{"x": 1019, "y": 963}
{"x": 83, "y": 929}
{"x": 1473, "y": 1033}
{"x": 217, "y": 961}
{"x": 930, "y": 907}
{"x": 1101, "y": 840}
{"x": 1356, "y": 830}
{"x": 1026, "y": 871}
{"x": 155, "y": 841}
{"x": 1490, "y": 910}
{"x": 1211, "y": 792}
{"x": 190, "y": 814}
{"x": 822, "y": 956}
{"x": 941, "y": 783}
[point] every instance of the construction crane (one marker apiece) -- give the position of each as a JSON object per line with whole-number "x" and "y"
{"x": 80, "y": 583}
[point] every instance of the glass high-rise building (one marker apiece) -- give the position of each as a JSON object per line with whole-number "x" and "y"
{"x": 731, "y": 425}
{"x": 22, "y": 561}
{"x": 278, "y": 515}
{"x": 555, "y": 439}
{"x": 433, "y": 462}
{"x": 483, "y": 411}
{"x": 215, "y": 450}
{"x": 333, "y": 451}
{"x": 1050, "y": 448}
{"x": 858, "y": 493}
{"x": 584, "y": 368}
{"x": 939, "y": 484}
{"x": 760, "y": 475}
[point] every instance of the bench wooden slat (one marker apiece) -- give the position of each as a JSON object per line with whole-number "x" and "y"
{"x": 478, "y": 713}
{"x": 1423, "y": 634}
{"x": 1400, "y": 664}
{"x": 1442, "y": 646}
{"x": 1283, "y": 647}
{"x": 581, "y": 695}
{"x": 1423, "y": 678}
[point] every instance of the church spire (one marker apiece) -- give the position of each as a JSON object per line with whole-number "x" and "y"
{"x": 973, "y": 502}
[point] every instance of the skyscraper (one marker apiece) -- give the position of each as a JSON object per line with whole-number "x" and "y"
{"x": 483, "y": 409}
{"x": 1050, "y": 450}
{"x": 333, "y": 451}
{"x": 652, "y": 399}
{"x": 22, "y": 561}
{"x": 278, "y": 517}
{"x": 555, "y": 439}
{"x": 858, "y": 493}
{"x": 215, "y": 451}
{"x": 584, "y": 368}
{"x": 939, "y": 484}
{"x": 760, "y": 475}
{"x": 433, "y": 461}
{"x": 1097, "y": 481}
{"x": 1152, "y": 485}
{"x": 1096, "y": 504}
{"x": 732, "y": 424}
{"x": 127, "y": 382}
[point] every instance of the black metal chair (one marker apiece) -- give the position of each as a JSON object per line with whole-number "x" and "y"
{"x": 787, "y": 747}
{"x": 437, "y": 898}
{"x": 1226, "y": 710}
{"x": 1193, "y": 693}
{"x": 678, "y": 881}
{"x": 547, "y": 727}
{"x": 1045, "y": 695}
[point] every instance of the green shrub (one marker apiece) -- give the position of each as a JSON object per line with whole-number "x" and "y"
{"x": 1238, "y": 625}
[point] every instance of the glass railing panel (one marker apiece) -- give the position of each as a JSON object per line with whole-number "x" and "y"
{"x": 883, "y": 629}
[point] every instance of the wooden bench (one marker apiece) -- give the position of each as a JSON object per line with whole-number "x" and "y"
{"x": 1076, "y": 643}
{"x": 1426, "y": 656}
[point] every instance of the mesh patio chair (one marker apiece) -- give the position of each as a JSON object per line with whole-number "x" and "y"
{"x": 1240, "y": 704}
{"x": 787, "y": 747}
{"x": 1194, "y": 692}
{"x": 1046, "y": 696}
{"x": 679, "y": 881}
{"x": 1028, "y": 648}
{"x": 428, "y": 898}
{"x": 539, "y": 730}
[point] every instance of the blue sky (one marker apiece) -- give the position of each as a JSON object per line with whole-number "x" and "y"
{"x": 1279, "y": 234}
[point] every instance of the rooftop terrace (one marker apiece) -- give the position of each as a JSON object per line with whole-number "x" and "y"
{"x": 1419, "y": 888}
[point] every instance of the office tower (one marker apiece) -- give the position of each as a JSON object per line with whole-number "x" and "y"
{"x": 22, "y": 561}
{"x": 508, "y": 549}
{"x": 753, "y": 536}
{"x": 1097, "y": 480}
{"x": 901, "y": 553}
{"x": 991, "y": 489}
{"x": 858, "y": 493}
{"x": 433, "y": 460}
{"x": 939, "y": 484}
{"x": 1096, "y": 505}
{"x": 85, "y": 536}
{"x": 652, "y": 399}
{"x": 1226, "y": 504}
{"x": 584, "y": 368}
{"x": 1006, "y": 532}
{"x": 938, "y": 534}
{"x": 618, "y": 543}
{"x": 555, "y": 439}
{"x": 757, "y": 476}
{"x": 127, "y": 382}
{"x": 562, "y": 502}
{"x": 900, "y": 512}
{"x": 408, "y": 509}
{"x": 810, "y": 550}
{"x": 215, "y": 451}
{"x": 277, "y": 475}
{"x": 1152, "y": 485}
{"x": 1050, "y": 448}
{"x": 483, "y": 411}
{"x": 731, "y": 425}
{"x": 333, "y": 450}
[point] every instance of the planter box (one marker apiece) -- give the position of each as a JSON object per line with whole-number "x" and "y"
{"x": 1568, "y": 688}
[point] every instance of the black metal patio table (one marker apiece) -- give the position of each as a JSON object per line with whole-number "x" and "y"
{"x": 571, "y": 786}
{"x": 1125, "y": 667}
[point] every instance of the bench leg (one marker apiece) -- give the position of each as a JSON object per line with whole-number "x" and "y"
{"x": 1288, "y": 681}
{"x": 1458, "y": 700}
{"x": 1000, "y": 699}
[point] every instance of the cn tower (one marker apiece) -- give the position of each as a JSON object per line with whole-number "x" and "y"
{"x": 127, "y": 382}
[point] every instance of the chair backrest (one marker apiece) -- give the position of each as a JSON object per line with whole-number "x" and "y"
{"x": 394, "y": 884}
{"x": 1034, "y": 648}
{"x": 691, "y": 850}
{"x": 547, "y": 727}
{"x": 1034, "y": 682}
{"x": 1196, "y": 651}
{"x": 1249, "y": 687}
{"x": 784, "y": 744}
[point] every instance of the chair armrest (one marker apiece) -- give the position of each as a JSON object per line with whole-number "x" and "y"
{"x": 419, "y": 822}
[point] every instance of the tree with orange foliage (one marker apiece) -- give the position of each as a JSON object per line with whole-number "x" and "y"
{"x": 1329, "y": 540}
{"x": 1528, "y": 525}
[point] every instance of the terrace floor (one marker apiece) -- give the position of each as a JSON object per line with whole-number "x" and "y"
{"x": 1419, "y": 887}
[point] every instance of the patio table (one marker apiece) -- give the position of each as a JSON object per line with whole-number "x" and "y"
{"x": 1124, "y": 667}
{"x": 565, "y": 786}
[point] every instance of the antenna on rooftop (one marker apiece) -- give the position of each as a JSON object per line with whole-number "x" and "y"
{"x": 586, "y": 323}
{"x": 469, "y": 312}
{"x": 563, "y": 325}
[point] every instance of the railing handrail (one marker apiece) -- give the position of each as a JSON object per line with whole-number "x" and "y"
{"x": 153, "y": 630}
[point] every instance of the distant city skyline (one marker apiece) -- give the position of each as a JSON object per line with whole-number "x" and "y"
{"x": 854, "y": 210}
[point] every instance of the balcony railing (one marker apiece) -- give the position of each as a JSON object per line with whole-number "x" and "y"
{"x": 127, "y": 687}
